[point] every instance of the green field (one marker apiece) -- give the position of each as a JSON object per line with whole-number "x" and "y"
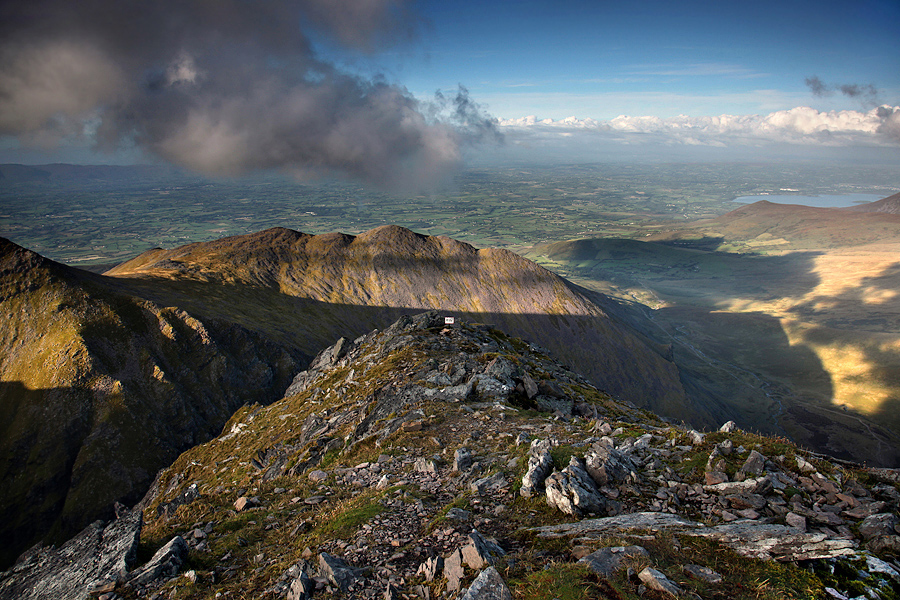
{"x": 101, "y": 221}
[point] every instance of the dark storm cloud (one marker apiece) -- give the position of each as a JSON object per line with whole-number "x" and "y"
{"x": 467, "y": 116}
{"x": 817, "y": 86}
{"x": 223, "y": 87}
{"x": 867, "y": 92}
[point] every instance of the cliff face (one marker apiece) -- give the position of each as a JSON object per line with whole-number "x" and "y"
{"x": 99, "y": 389}
{"x": 431, "y": 460}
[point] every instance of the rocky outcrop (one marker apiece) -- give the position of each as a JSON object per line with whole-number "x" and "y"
{"x": 573, "y": 491}
{"x": 488, "y": 586}
{"x": 100, "y": 554}
{"x": 607, "y": 561}
{"x": 165, "y": 564}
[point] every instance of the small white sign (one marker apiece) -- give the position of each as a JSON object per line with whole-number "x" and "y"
{"x": 449, "y": 320}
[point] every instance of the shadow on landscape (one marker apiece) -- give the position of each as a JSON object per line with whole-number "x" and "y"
{"x": 721, "y": 353}
{"x": 42, "y": 431}
{"x": 705, "y": 243}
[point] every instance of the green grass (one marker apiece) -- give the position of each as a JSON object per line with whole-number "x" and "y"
{"x": 558, "y": 581}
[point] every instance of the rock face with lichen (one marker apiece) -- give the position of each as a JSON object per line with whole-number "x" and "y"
{"x": 389, "y": 470}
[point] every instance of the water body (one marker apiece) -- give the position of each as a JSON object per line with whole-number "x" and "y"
{"x": 829, "y": 201}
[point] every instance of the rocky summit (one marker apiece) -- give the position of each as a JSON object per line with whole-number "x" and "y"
{"x": 449, "y": 460}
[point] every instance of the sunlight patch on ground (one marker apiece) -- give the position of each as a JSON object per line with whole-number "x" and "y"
{"x": 857, "y": 381}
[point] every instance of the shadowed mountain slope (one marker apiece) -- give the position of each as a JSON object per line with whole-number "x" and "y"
{"x": 99, "y": 389}
{"x": 890, "y": 205}
{"x": 335, "y": 284}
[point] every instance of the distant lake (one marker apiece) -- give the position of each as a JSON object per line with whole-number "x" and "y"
{"x": 830, "y": 201}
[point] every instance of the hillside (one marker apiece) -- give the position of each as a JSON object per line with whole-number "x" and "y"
{"x": 428, "y": 460}
{"x": 889, "y": 205}
{"x": 769, "y": 226}
{"x": 146, "y": 362}
{"x": 310, "y": 289}
{"x": 99, "y": 389}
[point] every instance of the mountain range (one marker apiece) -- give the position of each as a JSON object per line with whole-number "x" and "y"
{"x": 108, "y": 377}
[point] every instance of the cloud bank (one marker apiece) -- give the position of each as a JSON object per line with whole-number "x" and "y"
{"x": 802, "y": 125}
{"x": 226, "y": 87}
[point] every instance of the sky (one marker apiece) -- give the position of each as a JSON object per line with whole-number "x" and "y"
{"x": 402, "y": 93}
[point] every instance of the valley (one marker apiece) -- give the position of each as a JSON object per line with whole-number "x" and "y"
{"x": 804, "y": 340}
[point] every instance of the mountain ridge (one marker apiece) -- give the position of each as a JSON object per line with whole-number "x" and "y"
{"x": 890, "y": 205}
{"x": 140, "y": 366}
{"x": 434, "y": 460}
{"x": 393, "y": 267}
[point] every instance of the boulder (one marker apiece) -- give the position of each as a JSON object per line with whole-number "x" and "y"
{"x": 796, "y": 521}
{"x": 531, "y": 388}
{"x": 481, "y": 552}
{"x": 302, "y": 586}
{"x": 462, "y": 460}
{"x": 759, "y": 486}
{"x": 702, "y": 573}
{"x": 431, "y": 567}
{"x": 607, "y": 465}
{"x": 540, "y": 464}
{"x": 573, "y": 491}
{"x": 243, "y": 503}
{"x": 424, "y": 465}
{"x": 656, "y": 580}
{"x": 338, "y": 572}
{"x": 488, "y": 586}
{"x": 453, "y": 570}
{"x": 488, "y": 484}
{"x": 164, "y": 565}
{"x": 879, "y": 525}
{"x": 754, "y": 464}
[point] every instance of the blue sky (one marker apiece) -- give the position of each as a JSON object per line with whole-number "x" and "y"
{"x": 604, "y": 59}
{"x": 319, "y": 87}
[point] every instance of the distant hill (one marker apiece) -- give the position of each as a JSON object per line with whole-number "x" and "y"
{"x": 797, "y": 227}
{"x": 99, "y": 389}
{"x": 889, "y": 205}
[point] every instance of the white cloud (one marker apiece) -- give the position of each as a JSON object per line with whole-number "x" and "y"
{"x": 800, "y": 125}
